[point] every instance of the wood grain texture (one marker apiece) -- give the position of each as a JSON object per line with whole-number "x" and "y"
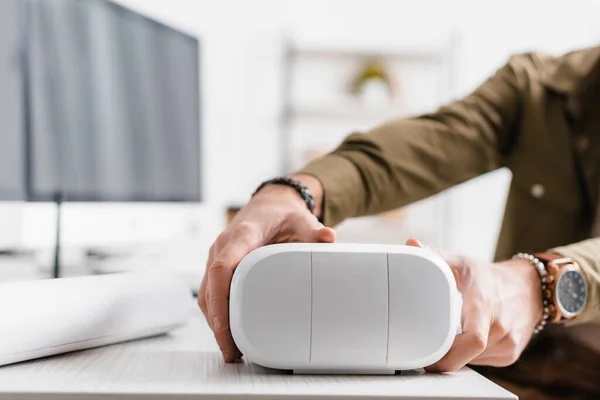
{"x": 187, "y": 364}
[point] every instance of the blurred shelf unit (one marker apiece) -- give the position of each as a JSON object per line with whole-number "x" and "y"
{"x": 349, "y": 109}
{"x": 358, "y": 46}
{"x": 337, "y": 87}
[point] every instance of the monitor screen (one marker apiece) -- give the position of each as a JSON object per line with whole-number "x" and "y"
{"x": 113, "y": 102}
{"x": 12, "y": 160}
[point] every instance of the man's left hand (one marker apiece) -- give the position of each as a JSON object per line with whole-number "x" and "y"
{"x": 502, "y": 304}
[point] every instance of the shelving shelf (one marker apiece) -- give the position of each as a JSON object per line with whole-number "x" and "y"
{"x": 316, "y": 104}
{"x": 347, "y": 110}
{"x": 405, "y": 50}
{"x": 437, "y": 54}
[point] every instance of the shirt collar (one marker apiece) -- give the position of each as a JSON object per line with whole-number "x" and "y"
{"x": 574, "y": 75}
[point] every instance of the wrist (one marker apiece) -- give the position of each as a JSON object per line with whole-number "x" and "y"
{"x": 525, "y": 272}
{"x": 303, "y": 191}
{"x": 316, "y": 190}
{"x": 527, "y": 284}
{"x": 280, "y": 194}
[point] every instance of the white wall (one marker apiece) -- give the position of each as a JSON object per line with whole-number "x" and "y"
{"x": 242, "y": 36}
{"x": 241, "y": 58}
{"x": 241, "y": 79}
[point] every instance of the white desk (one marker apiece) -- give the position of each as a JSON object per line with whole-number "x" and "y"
{"x": 187, "y": 365}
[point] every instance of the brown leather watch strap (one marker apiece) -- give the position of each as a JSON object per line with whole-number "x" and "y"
{"x": 554, "y": 264}
{"x": 547, "y": 256}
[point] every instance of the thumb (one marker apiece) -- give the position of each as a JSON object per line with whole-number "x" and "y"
{"x": 313, "y": 232}
{"x": 415, "y": 243}
{"x": 325, "y": 235}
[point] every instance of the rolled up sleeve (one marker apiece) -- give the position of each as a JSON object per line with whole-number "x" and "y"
{"x": 407, "y": 160}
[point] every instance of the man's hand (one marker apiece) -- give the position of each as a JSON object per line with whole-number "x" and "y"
{"x": 502, "y": 304}
{"x": 274, "y": 215}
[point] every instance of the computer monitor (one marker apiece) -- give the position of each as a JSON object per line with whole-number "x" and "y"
{"x": 12, "y": 156}
{"x": 112, "y": 105}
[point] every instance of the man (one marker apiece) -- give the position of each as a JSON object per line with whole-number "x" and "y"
{"x": 530, "y": 322}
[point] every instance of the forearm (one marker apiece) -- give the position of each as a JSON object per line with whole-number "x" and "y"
{"x": 587, "y": 255}
{"x": 407, "y": 160}
{"x": 399, "y": 163}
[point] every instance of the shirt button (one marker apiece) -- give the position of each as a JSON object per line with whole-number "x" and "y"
{"x": 582, "y": 143}
{"x": 538, "y": 190}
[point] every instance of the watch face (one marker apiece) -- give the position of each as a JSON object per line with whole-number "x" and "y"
{"x": 571, "y": 292}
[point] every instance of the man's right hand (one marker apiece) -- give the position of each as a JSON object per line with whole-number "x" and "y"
{"x": 276, "y": 214}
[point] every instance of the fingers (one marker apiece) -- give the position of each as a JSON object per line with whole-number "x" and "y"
{"x": 306, "y": 228}
{"x": 202, "y": 299}
{"x": 220, "y": 274}
{"x": 502, "y": 353}
{"x": 229, "y": 250}
{"x": 452, "y": 259}
{"x": 417, "y": 243}
{"x": 468, "y": 345}
{"x": 203, "y": 292}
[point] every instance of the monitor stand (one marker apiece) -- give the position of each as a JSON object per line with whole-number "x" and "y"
{"x": 58, "y": 200}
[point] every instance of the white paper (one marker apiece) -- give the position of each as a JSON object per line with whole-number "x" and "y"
{"x": 47, "y": 317}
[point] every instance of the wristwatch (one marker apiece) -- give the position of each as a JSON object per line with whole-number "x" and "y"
{"x": 566, "y": 287}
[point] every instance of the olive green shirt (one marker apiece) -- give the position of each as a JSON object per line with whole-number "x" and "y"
{"x": 539, "y": 116}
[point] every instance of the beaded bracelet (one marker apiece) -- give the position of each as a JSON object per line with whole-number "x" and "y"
{"x": 543, "y": 273}
{"x": 302, "y": 190}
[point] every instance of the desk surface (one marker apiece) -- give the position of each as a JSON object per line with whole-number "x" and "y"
{"x": 187, "y": 364}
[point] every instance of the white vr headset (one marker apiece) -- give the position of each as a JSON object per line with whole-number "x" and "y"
{"x": 344, "y": 308}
